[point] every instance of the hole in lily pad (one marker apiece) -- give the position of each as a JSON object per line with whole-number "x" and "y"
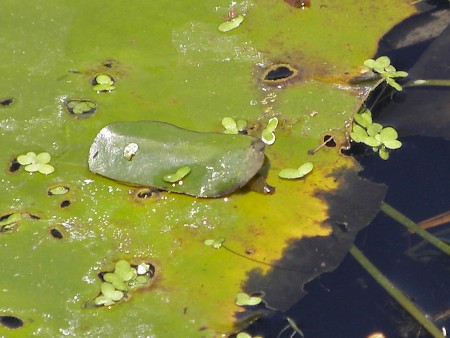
{"x": 10, "y": 222}
{"x": 108, "y": 64}
{"x": 58, "y": 190}
{"x": 56, "y": 233}
{"x": 11, "y": 322}
{"x": 279, "y": 73}
{"x": 145, "y": 193}
{"x": 329, "y": 141}
{"x": 81, "y": 108}
{"x": 299, "y": 3}
{"x": 14, "y": 166}
{"x": 117, "y": 285}
{"x": 7, "y": 101}
{"x": 65, "y": 204}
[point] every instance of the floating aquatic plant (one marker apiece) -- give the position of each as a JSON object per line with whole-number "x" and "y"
{"x": 215, "y": 243}
{"x": 179, "y": 175}
{"x": 382, "y": 66}
{"x": 243, "y": 299}
{"x": 109, "y": 295}
{"x": 58, "y": 190}
{"x": 231, "y": 24}
{"x": 381, "y": 139}
{"x": 268, "y": 134}
{"x": 78, "y": 107}
{"x": 33, "y": 162}
{"x": 124, "y": 278}
{"x": 246, "y": 335}
{"x": 291, "y": 174}
{"x": 233, "y": 127}
{"x": 103, "y": 83}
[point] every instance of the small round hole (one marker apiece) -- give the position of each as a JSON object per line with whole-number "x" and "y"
{"x": 145, "y": 193}
{"x": 299, "y": 3}
{"x": 6, "y": 102}
{"x": 56, "y": 234}
{"x": 14, "y": 166}
{"x": 65, "y": 204}
{"x": 11, "y": 322}
{"x": 329, "y": 141}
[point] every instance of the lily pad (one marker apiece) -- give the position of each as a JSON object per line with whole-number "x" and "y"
{"x": 177, "y": 68}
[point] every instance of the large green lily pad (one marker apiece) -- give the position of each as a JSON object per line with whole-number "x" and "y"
{"x": 171, "y": 64}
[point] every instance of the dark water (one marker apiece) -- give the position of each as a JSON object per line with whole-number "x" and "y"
{"x": 348, "y": 303}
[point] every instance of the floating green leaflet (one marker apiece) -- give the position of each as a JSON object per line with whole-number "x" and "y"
{"x": 179, "y": 175}
{"x": 243, "y": 299}
{"x": 383, "y": 66}
{"x": 33, "y": 162}
{"x": 290, "y": 173}
{"x": 381, "y": 139}
{"x": 215, "y": 243}
{"x": 231, "y": 24}
{"x": 268, "y": 134}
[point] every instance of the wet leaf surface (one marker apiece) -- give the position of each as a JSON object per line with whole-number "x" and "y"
{"x": 171, "y": 64}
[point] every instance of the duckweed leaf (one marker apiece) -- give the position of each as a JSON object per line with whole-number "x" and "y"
{"x": 109, "y": 291}
{"x": 393, "y": 83}
{"x": 124, "y": 270}
{"x": 104, "y": 79}
{"x": 383, "y": 153}
{"x": 268, "y": 137}
{"x": 388, "y": 134}
{"x": 302, "y": 171}
{"x": 372, "y": 141}
{"x": 61, "y": 190}
{"x": 243, "y": 299}
{"x": 392, "y": 144}
{"x": 215, "y": 243}
{"x": 272, "y": 125}
{"x": 35, "y": 162}
{"x": 231, "y": 24}
{"x": 374, "y": 129}
{"x": 364, "y": 119}
{"x": 230, "y": 125}
{"x": 116, "y": 280}
{"x": 358, "y": 134}
{"x": 179, "y": 175}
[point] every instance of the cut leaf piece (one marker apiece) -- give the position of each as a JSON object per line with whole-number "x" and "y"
{"x": 220, "y": 163}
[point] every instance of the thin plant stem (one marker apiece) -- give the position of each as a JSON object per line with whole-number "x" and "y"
{"x": 429, "y": 82}
{"x": 396, "y": 293}
{"x": 413, "y": 227}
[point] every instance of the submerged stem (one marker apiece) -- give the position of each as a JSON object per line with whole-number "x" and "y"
{"x": 396, "y": 293}
{"x": 429, "y": 82}
{"x": 402, "y": 219}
